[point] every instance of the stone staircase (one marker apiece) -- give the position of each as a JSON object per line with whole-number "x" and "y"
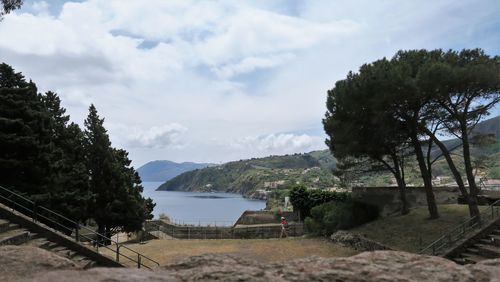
{"x": 488, "y": 247}
{"x": 14, "y": 234}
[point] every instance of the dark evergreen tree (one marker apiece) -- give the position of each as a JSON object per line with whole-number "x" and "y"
{"x": 359, "y": 130}
{"x": 464, "y": 87}
{"x": 69, "y": 192}
{"x": 24, "y": 135}
{"x": 118, "y": 202}
{"x": 7, "y": 6}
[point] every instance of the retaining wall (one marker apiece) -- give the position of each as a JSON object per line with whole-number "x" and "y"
{"x": 257, "y": 231}
{"x": 388, "y": 201}
{"x": 265, "y": 217}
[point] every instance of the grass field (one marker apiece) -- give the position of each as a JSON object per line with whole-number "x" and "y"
{"x": 262, "y": 250}
{"x": 413, "y": 231}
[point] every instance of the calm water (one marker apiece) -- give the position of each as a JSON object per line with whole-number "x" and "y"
{"x": 200, "y": 208}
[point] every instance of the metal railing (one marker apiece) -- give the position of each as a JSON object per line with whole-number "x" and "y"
{"x": 483, "y": 185}
{"x": 60, "y": 223}
{"x": 449, "y": 239}
{"x": 173, "y": 231}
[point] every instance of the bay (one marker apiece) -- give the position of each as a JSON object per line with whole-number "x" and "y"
{"x": 198, "y": 207}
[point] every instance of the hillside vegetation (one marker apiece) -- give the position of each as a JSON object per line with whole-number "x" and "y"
{"x": 246, "y": 176}
{"x": 314, "y": 170}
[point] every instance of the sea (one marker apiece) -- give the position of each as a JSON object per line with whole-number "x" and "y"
{"x": 199, "y": 208}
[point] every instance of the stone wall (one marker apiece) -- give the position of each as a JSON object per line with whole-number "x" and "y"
{"x": 256, "y": 231}
{"x": 388, "y": 201}
{"x": 265, "y": 217}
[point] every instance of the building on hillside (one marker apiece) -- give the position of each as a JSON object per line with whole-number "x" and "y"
{"x": 273, "y": 184}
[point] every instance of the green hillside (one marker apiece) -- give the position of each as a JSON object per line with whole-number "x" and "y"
{"x": 314, "y": 169}
{"x": 247, "y": 176}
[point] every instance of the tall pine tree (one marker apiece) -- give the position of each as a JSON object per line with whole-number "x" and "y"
{"x": 24, "y": 135}
{"x": 118, "y": 204}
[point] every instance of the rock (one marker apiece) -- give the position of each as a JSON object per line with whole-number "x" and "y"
{"x": 25, "y": 262}
{"x": 367, "y": 266}
{"x": 356, "y": 241}
{"x": 105, "y": 275}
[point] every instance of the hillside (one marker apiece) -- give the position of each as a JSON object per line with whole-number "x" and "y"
{"x": 247, "y": 176}
{"x": 159, "y": 171}
{"x": 314, "y": 169}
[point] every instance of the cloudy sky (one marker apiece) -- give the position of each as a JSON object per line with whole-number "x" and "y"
{"x": 213, "y": 81}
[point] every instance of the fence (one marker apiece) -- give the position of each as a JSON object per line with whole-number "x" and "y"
{"x": 67, "y": 226}
{"x": 462, "y": 231}
{"x": 165, "y": 230}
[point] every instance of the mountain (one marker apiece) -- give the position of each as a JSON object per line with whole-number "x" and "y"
{"x": 314, "y": 169}
{"x": 489, "y": 126}
{"x": 159, "y": 171}
{"x": 248, "y": 176}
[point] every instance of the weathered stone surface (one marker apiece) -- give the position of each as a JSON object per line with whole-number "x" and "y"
{"x": 25, "y": 262}
{"x": 37, "y": 265}
{"x": 105, "y": 275}
{"x": 356, "y": 241}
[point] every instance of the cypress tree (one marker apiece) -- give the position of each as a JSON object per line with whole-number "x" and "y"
{"x": 118, "y": 204}
{"x": 24, "y": 135}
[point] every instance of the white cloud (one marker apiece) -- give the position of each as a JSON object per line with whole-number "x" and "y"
{"x": 282, "y": 142}
{"x": 157, "y": 137}
{"x": 224, "y": 69}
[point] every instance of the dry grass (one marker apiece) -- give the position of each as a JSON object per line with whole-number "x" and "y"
{"x": 268, "y": 250}
{"x": 414, "y": 231}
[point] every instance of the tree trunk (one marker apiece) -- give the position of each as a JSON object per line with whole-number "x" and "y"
{"x": 401, "y": 186}
{"x": 471, "y": 200}
{"x": 474, "y": 191}
{"x": 431, "y": 200}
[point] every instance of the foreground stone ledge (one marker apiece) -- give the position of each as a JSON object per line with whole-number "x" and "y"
{"x": 27, "y": 264}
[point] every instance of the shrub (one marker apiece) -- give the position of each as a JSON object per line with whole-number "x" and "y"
{"x": 303, "y": 200}
{"x": 164, "y": 217}
{"x": 336, "y": 215}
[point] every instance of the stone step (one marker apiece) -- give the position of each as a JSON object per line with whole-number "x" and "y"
{"x": 38, "y": 242}
{"x": 4, "y": 225}
{"x": 14, "y": 237}
{"x": 459, "y": 260}
{"x": 49, "y": 246}
{"x": 488, "y": 251}
{"x": 58, "y": 249}
{"x": 496, "y": 232}
{"x": 473, "y": 250}
{"x": 469, "y": 258}
{"x": 66, "y": 253}
{"x": 87, "y": 263}
{"x": 83, "y": 261}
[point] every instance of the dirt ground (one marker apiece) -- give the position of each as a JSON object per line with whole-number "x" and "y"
{"x": 262, "y": 250}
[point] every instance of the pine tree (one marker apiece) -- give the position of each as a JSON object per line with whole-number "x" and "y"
{"x": 118, "y": 204}
{"x": 69, "y": 192}
{"x": 24, "y": 135}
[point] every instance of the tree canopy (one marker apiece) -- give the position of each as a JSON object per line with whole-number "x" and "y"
{"x": 391, "y": 107}
{"x": 51, "y": 160}
{"x": 7, "y": 6}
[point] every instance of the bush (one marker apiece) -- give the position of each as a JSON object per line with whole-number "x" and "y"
{"x": 329, "y": 217}
{"x": 164, "y": 217}
{"x": 303, "y": 200}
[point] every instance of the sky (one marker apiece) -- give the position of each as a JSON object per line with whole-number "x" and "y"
{"x": 215, "y": 81}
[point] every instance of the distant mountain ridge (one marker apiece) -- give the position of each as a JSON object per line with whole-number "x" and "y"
{"x": 163, "y": 170}
{"x": 312, "y": 169}
{"x": 247, "y": 176}
{"x": 489, "y": 126}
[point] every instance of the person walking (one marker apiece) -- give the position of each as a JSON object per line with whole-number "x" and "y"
{"x": 284, "y": 226}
